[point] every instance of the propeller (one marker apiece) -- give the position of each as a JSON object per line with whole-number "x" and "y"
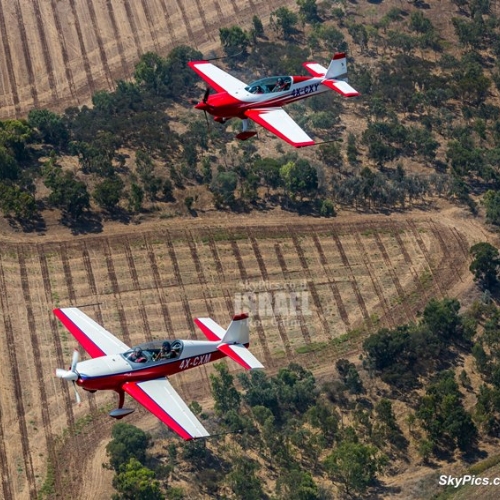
{"x": 206, "y": 94}
{"x": 71, "y": 374}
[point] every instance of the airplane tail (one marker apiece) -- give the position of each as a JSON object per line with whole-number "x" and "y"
{"x": 233, "y": 341}
{"x": 335, "y": 76}
{"x": 338, "y": 67}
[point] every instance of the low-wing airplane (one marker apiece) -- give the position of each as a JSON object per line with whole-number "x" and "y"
{"x": 141, "y": 371}
{"x": 261, "y": 100}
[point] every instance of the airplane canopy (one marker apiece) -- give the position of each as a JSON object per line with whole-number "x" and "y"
{"x": 151, "y": 349}
{"x": 269, "y": 84}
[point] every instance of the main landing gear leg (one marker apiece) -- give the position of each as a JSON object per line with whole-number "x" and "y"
{"x": 245, "y": 133}
{"x": 121, "y": 412}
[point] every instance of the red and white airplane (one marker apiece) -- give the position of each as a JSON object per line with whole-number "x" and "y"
{"x": 141, "y": 372}
{"x": 261, "y": 100}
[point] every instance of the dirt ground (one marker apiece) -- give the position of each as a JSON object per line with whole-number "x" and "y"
{"x": 148, "y": 280}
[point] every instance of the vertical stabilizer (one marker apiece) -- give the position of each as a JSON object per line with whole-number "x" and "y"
{"x": 338, "y": 67}
{"x": 237, "y": 332}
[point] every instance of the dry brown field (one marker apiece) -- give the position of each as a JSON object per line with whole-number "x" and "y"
{"x": 58, "y": 53}
{"x": 150, "y": 283}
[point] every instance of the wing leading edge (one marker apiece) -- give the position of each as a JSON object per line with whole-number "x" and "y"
{"x": 216, "y": 77}
{"x": 95, "y": 339}
{"x": 161, "y": 399}
{"x": 280, "y": 123}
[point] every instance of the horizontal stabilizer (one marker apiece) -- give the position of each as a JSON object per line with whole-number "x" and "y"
{"x": 343, "y": 88}
{"x": 242, "y": 356}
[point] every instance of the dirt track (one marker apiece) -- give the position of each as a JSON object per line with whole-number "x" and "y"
{"x": 150, "y": 283}
{"x": 57, "y": 54}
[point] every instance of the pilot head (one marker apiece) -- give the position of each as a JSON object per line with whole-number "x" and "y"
{"x": 166, "y": 347}
{"x": 280, "y": 81}
{"x": 138, "y": 351}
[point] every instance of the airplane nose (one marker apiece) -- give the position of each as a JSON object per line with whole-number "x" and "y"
{"x": 202, "y": 105}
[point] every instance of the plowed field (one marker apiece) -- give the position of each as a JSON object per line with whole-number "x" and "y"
{"x": 58, "y": 53}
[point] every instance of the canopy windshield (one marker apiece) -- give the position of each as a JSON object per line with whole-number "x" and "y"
{"x": 149, "y": 352}
{"x": 270, "y": 84}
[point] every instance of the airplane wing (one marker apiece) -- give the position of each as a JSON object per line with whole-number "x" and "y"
{"x": 95, "y": 339}
{"x": 343, "y": 88}
{"x": 161, "y": 399}
{"x": 315, "y": 68}
{"x": 279, "y": 122}
{"x": 216, "y": 77}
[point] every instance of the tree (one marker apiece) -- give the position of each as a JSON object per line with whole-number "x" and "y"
{"x": 9, "y": 168}
{"x": 243, "y": 480}
{"x": 354, "y": 465}
{"x": 108, "y": 193}
{"x": 258, "y": 27}
{"x": 128, "y": 442}
{"x": 491, "y": 201}
{"x": 308, "y": 10}
{"x": 68, "y": 193}
{"x": 152, "y": 72}
{"x": 224, "y": 392}
{"x": 443, "y": 415}
{"x": 135, "y": 481}
{"x": 136, "y": 197}
{"x": 284, "y": 20}
{"x": 485, "y": 264}
{"x": 443, "y": 319}
{"x": 50, "y": 125}
{"x": 234, "y": 40}
{"x": 223, "y": 186}
{"x": 297, "y": 485}
{"x": 300, "y": 178}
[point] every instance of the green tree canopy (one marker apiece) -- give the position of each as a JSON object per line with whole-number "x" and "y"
{"x": 128, "y": 442}
{"x": 300, "y": 178}
{"x": 234, "y": 40}
{"x": 108, "y": 193}
{"x": 135, "y": 481}
{"x": 353, "y": 465}
{"x": 284, "y": 20}
{"x": 485, "y": 264}
{"x": 68, "y": 193}
{"x": 50, "y": 125}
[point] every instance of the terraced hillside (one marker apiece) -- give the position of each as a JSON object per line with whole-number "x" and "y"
{"x": 57, "y": 54}
{"x": 150, "y": 285}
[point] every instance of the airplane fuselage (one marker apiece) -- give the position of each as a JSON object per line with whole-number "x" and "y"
{"x": 113, "y": 371}
{"x": 234, "y": 104}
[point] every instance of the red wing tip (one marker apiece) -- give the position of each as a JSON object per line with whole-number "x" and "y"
{"x": 194, "y": 63}
{"x": 239, "y": 317}
{"x": 338, "y": 55}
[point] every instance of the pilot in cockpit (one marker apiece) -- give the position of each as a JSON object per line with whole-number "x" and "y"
{"x": 138, "y": 356}
{"x": 280, "y": 85}
{"x": 166, "y": 352}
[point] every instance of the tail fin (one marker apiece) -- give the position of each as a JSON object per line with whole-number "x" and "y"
{"x": 233, "y": 341}
{"x": 237, "y": 331}
{"x": 338, "y": 67}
